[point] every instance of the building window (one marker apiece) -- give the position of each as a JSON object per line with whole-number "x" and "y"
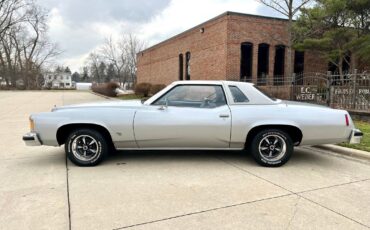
{"x": 181, "y": 67}
{"x": 246, "y": 60}
{"x": 298, "y": 66}
{"x": 263, "y": 63}
{"x": 279, "y": 65}
{"x": 188, "y": 56}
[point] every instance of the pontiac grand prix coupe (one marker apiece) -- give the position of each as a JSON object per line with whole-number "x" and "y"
{"x": 192, "y": 115}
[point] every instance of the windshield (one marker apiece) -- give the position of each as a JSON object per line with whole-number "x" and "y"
{"x": 263, "y": 91}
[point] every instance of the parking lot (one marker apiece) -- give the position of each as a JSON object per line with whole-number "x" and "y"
{"x": 40, "y": 189}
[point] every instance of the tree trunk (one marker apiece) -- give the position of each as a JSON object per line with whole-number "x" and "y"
{"x": 340, "y": 69}
{"x": 353, "y": 62}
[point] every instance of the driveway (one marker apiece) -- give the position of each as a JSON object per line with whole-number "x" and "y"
{"x": 40, "y": 189}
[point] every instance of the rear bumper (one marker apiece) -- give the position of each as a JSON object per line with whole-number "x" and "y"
{"x": 32, "y": 139}
{"x": 356, "y": 136}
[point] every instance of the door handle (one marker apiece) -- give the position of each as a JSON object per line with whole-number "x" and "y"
{"x": 224, "y": 115}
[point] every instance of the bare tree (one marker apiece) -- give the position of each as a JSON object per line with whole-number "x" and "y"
{"x": 121, "y": 53}
{"x": 115, "y": 55}
{"x": 288, "y": 8}
{"x": 93, "y": 62}
{"x": 132, "y": 45}
{"x": 24, "y": 45}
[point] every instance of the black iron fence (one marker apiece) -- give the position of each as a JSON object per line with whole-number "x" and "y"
{"x": 350, "y": 91}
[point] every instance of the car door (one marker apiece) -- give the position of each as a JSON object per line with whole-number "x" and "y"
{"x": 187, "y": 116}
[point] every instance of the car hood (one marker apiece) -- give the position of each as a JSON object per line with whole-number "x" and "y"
{"x": 109, "y": 104}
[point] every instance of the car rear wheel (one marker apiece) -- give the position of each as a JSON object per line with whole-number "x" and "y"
{"x": 86, "y": 147}
{"x": 272, "y": 147}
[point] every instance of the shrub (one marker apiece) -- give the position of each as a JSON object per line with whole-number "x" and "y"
{"x": 156, "y": 88}
{"x": 143, "y": 89}
{"x": 107, "y": 89}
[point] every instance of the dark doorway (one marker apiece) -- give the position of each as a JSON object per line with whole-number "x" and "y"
{"x": 333, "y": 68}
{"x": 279, "y": 65}
{"x": 188, "y": 56}
{"x": 263, "y": 63}
{"x": 298, "y": 62}
{"x": 246, "y": 60}
{"x": 298, "y": 66}
{"x": 181, "y": 67}
{"x": 345, "y": 65}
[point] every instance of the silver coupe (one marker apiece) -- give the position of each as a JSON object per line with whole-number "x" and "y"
{"x": 192, "y": 115}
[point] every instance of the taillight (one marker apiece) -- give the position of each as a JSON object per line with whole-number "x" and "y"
{"x": 347, "y": 119}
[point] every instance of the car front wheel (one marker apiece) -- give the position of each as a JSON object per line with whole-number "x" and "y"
{"x": 272, "y": 147}
{"x": 86, "y": 147}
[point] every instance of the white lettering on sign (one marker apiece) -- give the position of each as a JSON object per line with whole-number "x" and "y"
{"x": 347, "y": 91}
{"x": 364, "y": 91}
{"x": 306, "y": 97}
{"x": 306, "y": 94}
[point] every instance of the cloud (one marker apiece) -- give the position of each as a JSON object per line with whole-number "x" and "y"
{"x": 181, "y": 15}
{"x": 79, "y": 12}
{"x": 80, "y": 26}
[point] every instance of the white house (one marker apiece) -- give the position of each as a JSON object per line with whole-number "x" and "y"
{"x": 59, "y": 80}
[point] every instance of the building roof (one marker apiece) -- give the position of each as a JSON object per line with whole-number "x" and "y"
{"x": 211, "y": 20}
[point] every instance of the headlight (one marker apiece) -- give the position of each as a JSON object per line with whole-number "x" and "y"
{"x": 32, "y": 124}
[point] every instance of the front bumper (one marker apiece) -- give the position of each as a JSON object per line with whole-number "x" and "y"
{"x": 32, "y": 139}
{"x": 356, "y": 136}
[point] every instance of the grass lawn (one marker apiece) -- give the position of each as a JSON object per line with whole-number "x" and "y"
{"x": 365, "y": 142}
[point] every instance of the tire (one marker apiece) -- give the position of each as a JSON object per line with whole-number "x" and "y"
{"x": 272, "y": 148}
{"x": 86, "y": 147}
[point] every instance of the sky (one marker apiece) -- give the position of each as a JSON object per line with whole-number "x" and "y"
{"x": 81, "y": 26}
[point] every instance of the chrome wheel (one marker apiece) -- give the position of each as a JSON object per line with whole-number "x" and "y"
{"x": 272, "y": 147}
{"x": 85, "y": 148}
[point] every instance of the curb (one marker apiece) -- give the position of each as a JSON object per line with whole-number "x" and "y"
{"x": 345, "y": 151}
{"x": 100, "y": 95}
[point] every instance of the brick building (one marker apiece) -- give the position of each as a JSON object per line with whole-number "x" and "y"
{"x": 231, "y": 46}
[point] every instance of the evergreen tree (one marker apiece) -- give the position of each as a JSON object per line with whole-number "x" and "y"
{"x": 338, "y": 29}
{"x": 76, "y": 77}
{"x": 67, "y": 70}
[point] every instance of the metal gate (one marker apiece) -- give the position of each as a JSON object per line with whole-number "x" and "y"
{"x": 311, "y": 88}
{"x": 350, "y": 92}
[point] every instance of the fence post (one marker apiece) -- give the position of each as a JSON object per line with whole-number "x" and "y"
{"x": 292, "y": 86}
{"x": 329, "y": 94}
{"x": 354, "y": 88}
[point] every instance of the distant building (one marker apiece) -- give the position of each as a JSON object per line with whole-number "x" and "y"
{"x": 231, "y": 46}
{"x": 83, "y": 86}
{"x": 59, "y": 80}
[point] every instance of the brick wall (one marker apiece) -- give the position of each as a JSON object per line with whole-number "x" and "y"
{"x": 215, "y": 53}
{"x": 160, "y": 64}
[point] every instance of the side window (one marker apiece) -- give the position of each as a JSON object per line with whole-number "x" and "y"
{"x": 238, "y": 95}
{"x": 195, "y": 96}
